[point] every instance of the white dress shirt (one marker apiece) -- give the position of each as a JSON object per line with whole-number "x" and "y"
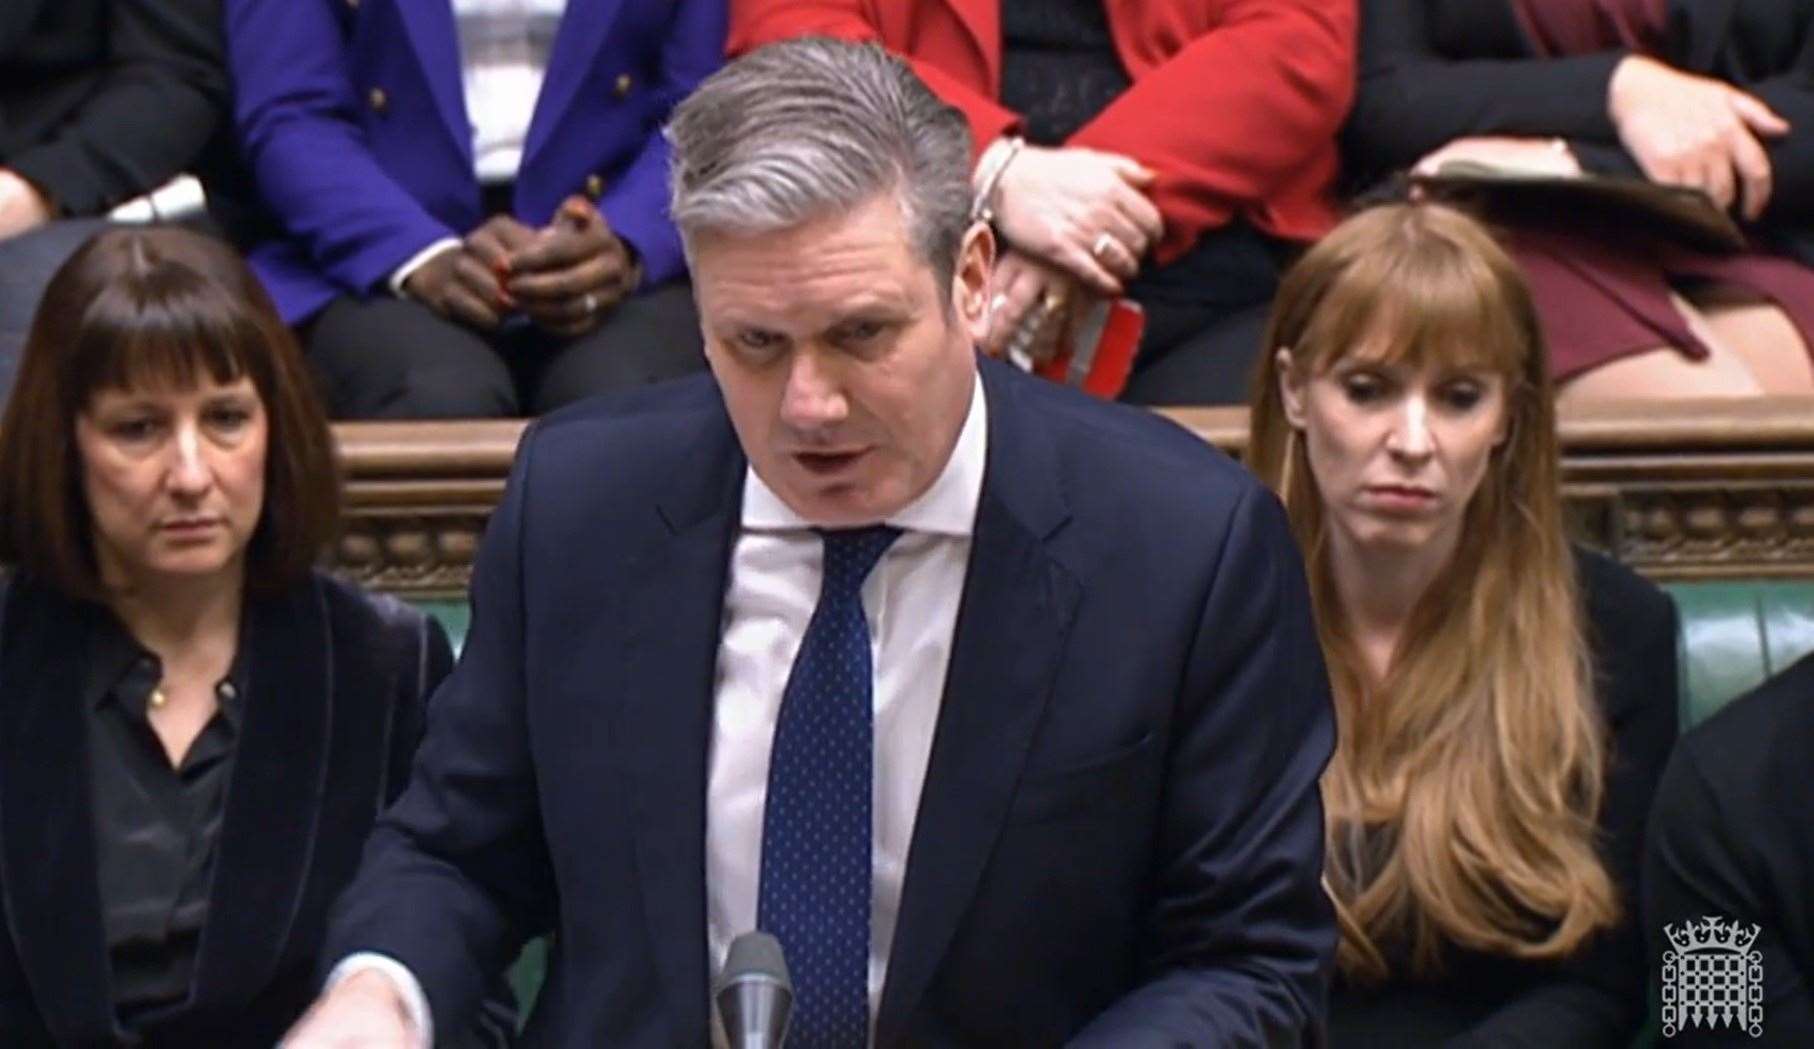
{"x": 911, "y": 601}
{"x": 504, "y": 49}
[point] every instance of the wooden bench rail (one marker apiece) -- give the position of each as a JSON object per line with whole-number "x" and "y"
{"x": 1710, "y": 489}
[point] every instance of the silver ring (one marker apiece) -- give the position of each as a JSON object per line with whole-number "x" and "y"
{"x": 589, "y": 303}
{"x": 1104, "y": 241}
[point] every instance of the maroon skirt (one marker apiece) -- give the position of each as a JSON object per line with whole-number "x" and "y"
{"x": 1600, "y": 299}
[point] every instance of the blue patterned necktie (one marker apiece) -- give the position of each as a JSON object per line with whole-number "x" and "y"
{"x": 816, "y": 867}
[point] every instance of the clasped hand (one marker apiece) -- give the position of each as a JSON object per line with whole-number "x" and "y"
{"x": 1083, "y": 211}
{"x": 565, "y": 277}
{"x": 1687, "y": 130}
{"x": 1032, "y": 307}
{"x": 1075, "y": 224}
{"x": 362, "y": 1011}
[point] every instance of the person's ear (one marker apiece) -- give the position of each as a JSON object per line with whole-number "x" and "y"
{"x": 1291, "y": 388}
{"x": 970, "y": 280}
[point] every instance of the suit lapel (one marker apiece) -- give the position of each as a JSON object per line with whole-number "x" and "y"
{"x": 666, "y": 709}
{"x": 577, "y": 44}
{"x": 274, "y": 796}
{"x": 47, "y": 815}
{"x": 436, "y": 40}
{"x": 1015, "y": 617}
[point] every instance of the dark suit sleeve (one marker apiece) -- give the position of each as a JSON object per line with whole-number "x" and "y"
{"x": 294, "y": 107}
{"x": 457, "y": 875}
{"x": 158, "y": 102}
{"x": 1597, "y": 997}
{"x": 1792, "y": 156}
{"x": 1711, "y": 856}
{"x": 1789, "y": 91}
{"x": 1413, "y": 99}
{"x": 1242, "y": 935}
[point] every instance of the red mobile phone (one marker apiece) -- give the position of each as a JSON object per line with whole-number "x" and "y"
{"x": 1099, "y": 354}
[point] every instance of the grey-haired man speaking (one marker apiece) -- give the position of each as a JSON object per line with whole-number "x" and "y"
{"x": 1000, "y": 707}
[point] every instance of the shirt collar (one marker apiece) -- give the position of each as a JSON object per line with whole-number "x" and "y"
{"x": 948, "y": 507}
{"x": 122, "y": 671}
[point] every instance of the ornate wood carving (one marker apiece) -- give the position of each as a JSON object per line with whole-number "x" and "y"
{"x": 1717, "y": 489}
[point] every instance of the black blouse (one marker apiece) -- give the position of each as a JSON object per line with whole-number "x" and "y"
{"x": 1058, "y": 66}
{"x": 156, "y": 827}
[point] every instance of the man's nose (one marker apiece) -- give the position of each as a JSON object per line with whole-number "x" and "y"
{"x": 1410, "y": 437}
{"x": 813, "y": 397}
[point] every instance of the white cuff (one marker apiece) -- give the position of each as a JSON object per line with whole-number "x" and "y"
{"x": 416, "y": 262}
{"x": 415, "y": 1003}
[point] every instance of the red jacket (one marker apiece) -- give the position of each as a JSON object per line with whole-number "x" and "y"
{"x": 1234, "y": 102}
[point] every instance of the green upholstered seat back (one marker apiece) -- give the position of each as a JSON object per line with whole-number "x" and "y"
{"x": 1736, "y": 634}
{"x": 1733, "y": 635}
{"x": 455, "y": 615}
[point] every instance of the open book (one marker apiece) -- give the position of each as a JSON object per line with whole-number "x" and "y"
{"x": 1673, "y": 212}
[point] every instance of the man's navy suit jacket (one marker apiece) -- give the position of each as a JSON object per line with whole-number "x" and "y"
{"x": 1120, "y": 837}
{"x": 352, "y": 120}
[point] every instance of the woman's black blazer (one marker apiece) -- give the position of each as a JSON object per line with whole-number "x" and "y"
{"x": 336, "y": 711}
{"x": 1431, "y": 71}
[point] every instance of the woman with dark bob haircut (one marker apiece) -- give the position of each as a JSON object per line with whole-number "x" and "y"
{"x": 196, "y": 728}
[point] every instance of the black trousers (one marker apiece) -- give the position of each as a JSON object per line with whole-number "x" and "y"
{"x": 388, "y": 358}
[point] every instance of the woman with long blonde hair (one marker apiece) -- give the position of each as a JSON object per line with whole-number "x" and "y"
{"x": 1504, "y": 703}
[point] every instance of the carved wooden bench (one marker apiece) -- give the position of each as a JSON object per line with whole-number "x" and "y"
{"x": 1699, "y": 490}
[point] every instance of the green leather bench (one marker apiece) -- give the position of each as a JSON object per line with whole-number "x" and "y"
{"x": 1734, "y": 634}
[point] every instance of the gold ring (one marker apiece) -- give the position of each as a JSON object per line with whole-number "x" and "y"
{"x": 1052, "y": 302}
{"x": 589, "y": 304}
{"x": 1104, "y": 241}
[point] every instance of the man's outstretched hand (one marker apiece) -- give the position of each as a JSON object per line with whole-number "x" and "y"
{"x": 363, "y": 1011}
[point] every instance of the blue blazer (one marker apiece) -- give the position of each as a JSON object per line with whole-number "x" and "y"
{"x": 352, "y": 119}
{"x": 1119, "y": 842}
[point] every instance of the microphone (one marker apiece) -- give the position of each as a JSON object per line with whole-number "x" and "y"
{"x": 754, "y": 994}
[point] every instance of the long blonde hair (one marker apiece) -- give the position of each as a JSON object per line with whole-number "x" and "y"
{"x": 1462, "y": 797}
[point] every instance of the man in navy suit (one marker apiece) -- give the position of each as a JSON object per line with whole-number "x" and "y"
{"x": 461, "y": 203}
{"x": 999, "y": 706}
